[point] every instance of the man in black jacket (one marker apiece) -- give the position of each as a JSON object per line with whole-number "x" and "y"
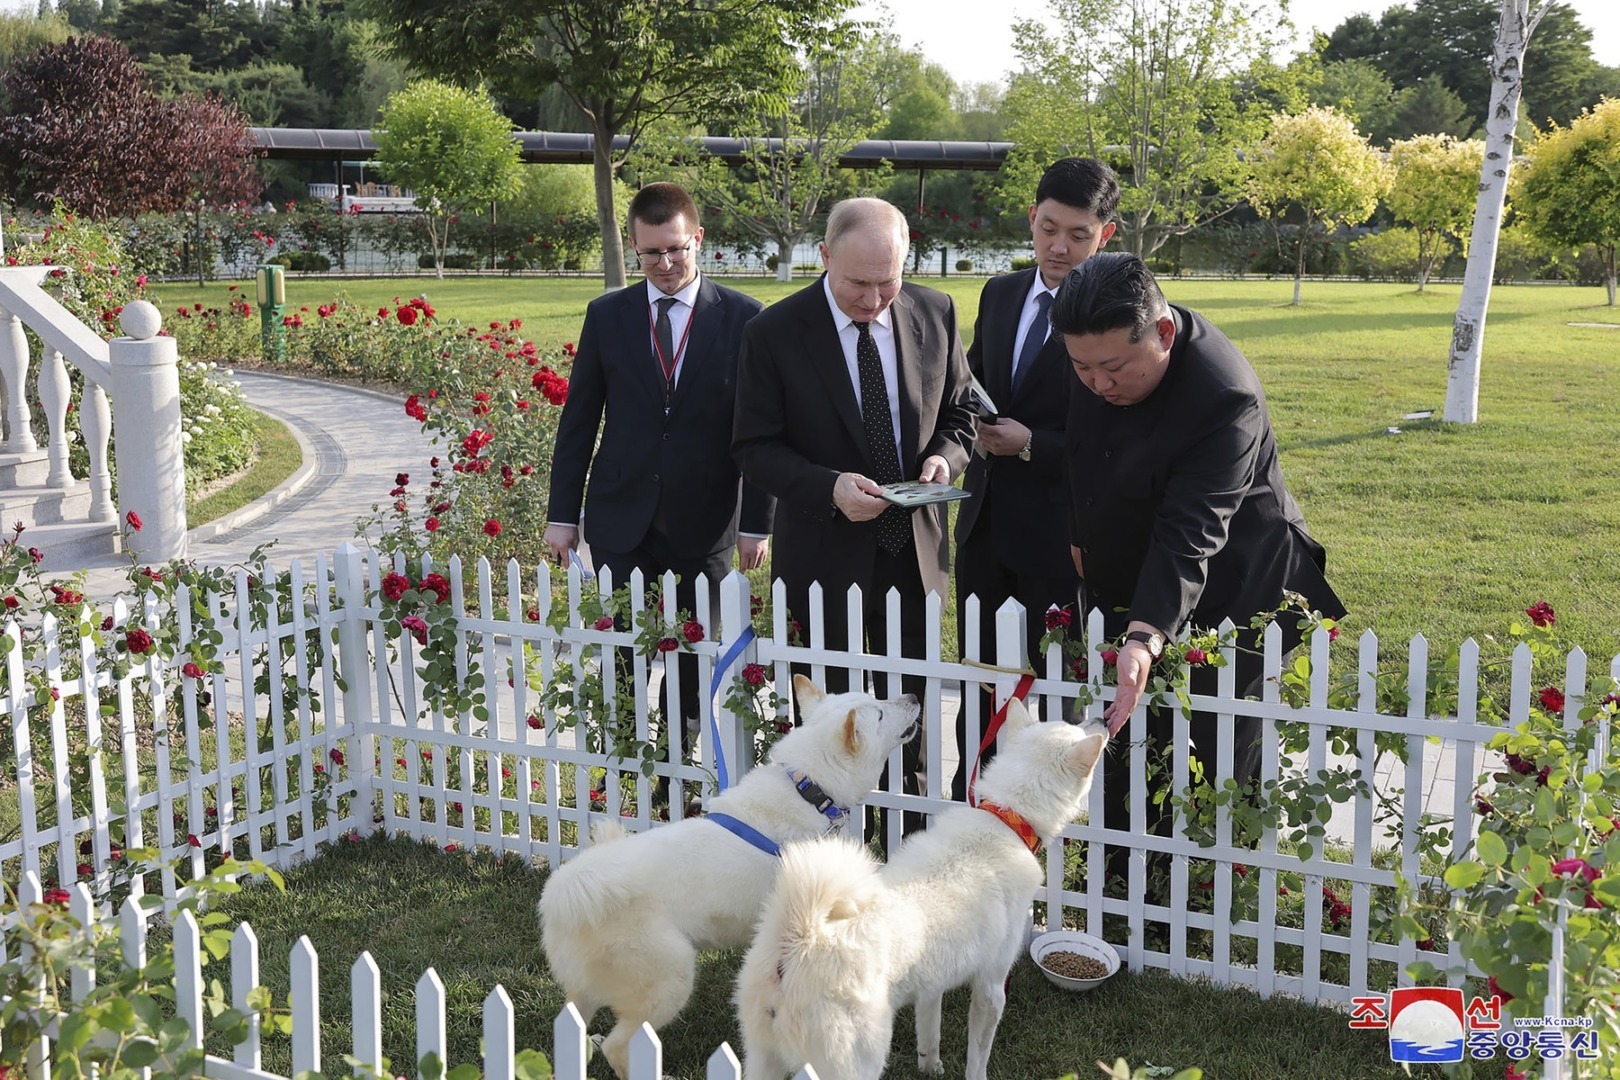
{"x": 1179, "y": 513}
{"x": 1012, "y": 536}
{"x": 659, "y": 359}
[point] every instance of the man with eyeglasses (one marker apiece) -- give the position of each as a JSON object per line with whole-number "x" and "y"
{"x": 659, "y": 359}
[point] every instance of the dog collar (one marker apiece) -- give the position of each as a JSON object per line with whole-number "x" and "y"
{"x": 1015, "y": 821}
{"x": 811, "y": 792}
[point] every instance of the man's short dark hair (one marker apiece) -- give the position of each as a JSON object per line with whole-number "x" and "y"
{"x": 657, "y": 203}
{"x": 1083, "y": 183}
{"x": 1110, "y": 290}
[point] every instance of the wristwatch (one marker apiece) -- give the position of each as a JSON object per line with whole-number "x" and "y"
{"x": 1154, "y": 642}
{"x": 1023, "y": 455}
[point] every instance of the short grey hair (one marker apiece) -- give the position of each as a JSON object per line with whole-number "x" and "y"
{"x": 870, "y": 216}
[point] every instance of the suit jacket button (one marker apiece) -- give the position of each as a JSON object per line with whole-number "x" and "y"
{"x": 655, "y": 478}
{"x": 1090, "y": 501}
{"x": 666, "y": 436}
{"x": 1106, "y": 453}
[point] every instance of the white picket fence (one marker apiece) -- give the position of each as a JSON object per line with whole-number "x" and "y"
{"x": 349, "y": 749}
{"x": 568, "y": 1056}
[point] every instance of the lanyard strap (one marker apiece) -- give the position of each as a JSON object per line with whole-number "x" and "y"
{"x": 668, "y": 365}
{"x": 996, "y": 720}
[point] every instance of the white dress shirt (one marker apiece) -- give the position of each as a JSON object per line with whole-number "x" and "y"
{"x": 883, "y": 334}
{"x": 680, "y": 314}
{"x": 1027, "y": 316}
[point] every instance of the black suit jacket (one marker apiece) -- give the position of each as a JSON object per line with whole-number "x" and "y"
{"x": 676, "y": 467}
{"x": 1024, "y": 504}
{"x": 1178, "y": 502}
{"x": 798, "y": 425}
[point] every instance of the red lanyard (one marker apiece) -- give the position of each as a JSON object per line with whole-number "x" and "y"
{"x": 668, "y": 365}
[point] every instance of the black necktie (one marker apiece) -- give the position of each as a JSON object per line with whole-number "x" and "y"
{"x": 894, "y": 524}
{"x": 1034, "y": 338}
{"x": 665, "y": 335}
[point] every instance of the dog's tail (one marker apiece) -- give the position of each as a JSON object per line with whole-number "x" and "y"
{"x": 815, "y": 960}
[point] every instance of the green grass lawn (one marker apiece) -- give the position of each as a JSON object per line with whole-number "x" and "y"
{"x": 472, "y": 918}
{"x": 1445, "y": 530}
{"x": 276, "y": 456}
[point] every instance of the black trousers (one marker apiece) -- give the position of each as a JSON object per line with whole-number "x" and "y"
{"x": 898, "y": 572}
{"x": 979, "y": 572}
{"x": 654, "y": 558}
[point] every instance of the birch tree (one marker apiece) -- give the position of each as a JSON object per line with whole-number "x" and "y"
{"x": 1317, "y": 162}
{"x": 1435, "y": 181}
{"x": 1516, "y": 22}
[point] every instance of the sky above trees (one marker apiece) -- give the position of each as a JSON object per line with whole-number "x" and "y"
{"x": 956, "y": 35}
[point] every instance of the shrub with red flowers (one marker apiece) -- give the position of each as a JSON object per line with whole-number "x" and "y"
{"x": 1545, "y": 851}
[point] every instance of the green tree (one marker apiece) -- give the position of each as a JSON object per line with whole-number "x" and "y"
{"x": 1359, "y": 90}
{"x": 1317, "y": 162}
{"x": 1429, "y": 107}
{"x": 626, "y": 64}
{"x": 1436, "y": 183}
{"x": 452, "y": 148}
{"x": 1569, "y": 192}
{"x": 1151, "y": 86}
{"x": 24, "y": 34}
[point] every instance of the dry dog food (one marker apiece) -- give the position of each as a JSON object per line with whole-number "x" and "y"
{"x": 1074, "y": 965}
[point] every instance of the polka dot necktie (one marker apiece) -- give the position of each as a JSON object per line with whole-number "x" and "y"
{"x": 894, "y": 524}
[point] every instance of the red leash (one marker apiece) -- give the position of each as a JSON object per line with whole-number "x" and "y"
{"x": 997, "y": 718}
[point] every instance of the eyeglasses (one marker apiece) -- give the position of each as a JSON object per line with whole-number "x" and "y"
{"x": 675, "y": 255}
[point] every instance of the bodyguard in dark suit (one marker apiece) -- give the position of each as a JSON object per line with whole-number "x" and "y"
{"x": 1012, "y": 536}
{"x": 854, "y": 382}
{"x": 1179, "y": 512}
{"x": 659, "y": 360}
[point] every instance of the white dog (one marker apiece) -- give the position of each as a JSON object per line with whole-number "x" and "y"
{"x": 843, "y": 943}
{"x": 624, "y": 921}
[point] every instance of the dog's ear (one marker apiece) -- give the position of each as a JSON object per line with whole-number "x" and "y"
{"x": 808, "y": 693}
{"x": 852, "y": 734}
{"x": 1087, "y": 752}
{"x": 1017, "y": 717}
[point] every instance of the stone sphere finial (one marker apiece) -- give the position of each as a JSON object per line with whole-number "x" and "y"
{"x": 141, "y": 320}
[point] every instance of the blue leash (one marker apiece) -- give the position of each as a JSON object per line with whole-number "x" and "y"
{"x": 746, "y": 832}
{"x": 721, "y": 669}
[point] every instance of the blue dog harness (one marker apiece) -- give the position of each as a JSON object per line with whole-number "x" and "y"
{"x": 810, "y": 792}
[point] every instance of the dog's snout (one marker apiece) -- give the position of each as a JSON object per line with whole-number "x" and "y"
{"x": 908, "y": 699}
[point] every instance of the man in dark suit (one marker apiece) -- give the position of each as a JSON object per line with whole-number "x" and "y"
{"x": 1179, "y": 512}
{"x": 851, "y": 383}
{"x": 1012, "y": 536}
{"x": 660, "y": 360}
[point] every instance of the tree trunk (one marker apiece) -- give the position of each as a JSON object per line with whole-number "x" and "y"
{"x": 1608, "y": 278}
{"x": 1299, "y": 260}
{"x": 1513, "y": 28}
{"x": 606, "y": 219}
{"x": 197, "y": 245}
{"x": 784, "y": 260}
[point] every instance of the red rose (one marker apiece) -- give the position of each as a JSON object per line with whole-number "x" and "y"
{"x": 1552, "y": 699}
{"x": 1333, "y": 634}
{"x": 1110, "y": 657}
{"x": 492, "y": 527}
{"x": 416, "y": 626}
{"x": 431, "y": 524}
{"x": 692, "y": 630}
{"x": 395, "y": 586}
{"x": 402, "y": 479}
{"x": 191, "y": 670}
{"x": 1541, "y": 613}
{"x": 336, "y": 755}
{"x": 535, "y": 722}
{"x": 85, "y": 869}
{"x": 191, "y": 839}
{"x": 1057, "y": 618}
{"x": 11, "y": 603}
{"x": 668, "y": 644}
{"x": 1497, "y": 991}
{"x": 437, "y": 585}
{"x": 57, "y": 897}
{"x": 1195, "y": 657}
{"x": 753, "y": 675}
{"x": 138, "y": 641}
{"x": 407, "y": 316}
{"x": 604, "y": 623}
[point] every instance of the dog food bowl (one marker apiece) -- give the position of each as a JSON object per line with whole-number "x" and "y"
{"x": 1073, "y": 941}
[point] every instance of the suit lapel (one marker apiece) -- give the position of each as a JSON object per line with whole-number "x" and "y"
{"x": 826, "y": 355}
{"x": 908, "y": 346}
{"x": 705, "y": 330}
{"x": 1000, "y": 355}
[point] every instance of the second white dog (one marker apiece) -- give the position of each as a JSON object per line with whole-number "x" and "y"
{"x": 842, "y": 943}
{"x": 624, "y": 921}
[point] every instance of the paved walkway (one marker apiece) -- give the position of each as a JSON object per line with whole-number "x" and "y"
{"x": 355, "y": 441}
